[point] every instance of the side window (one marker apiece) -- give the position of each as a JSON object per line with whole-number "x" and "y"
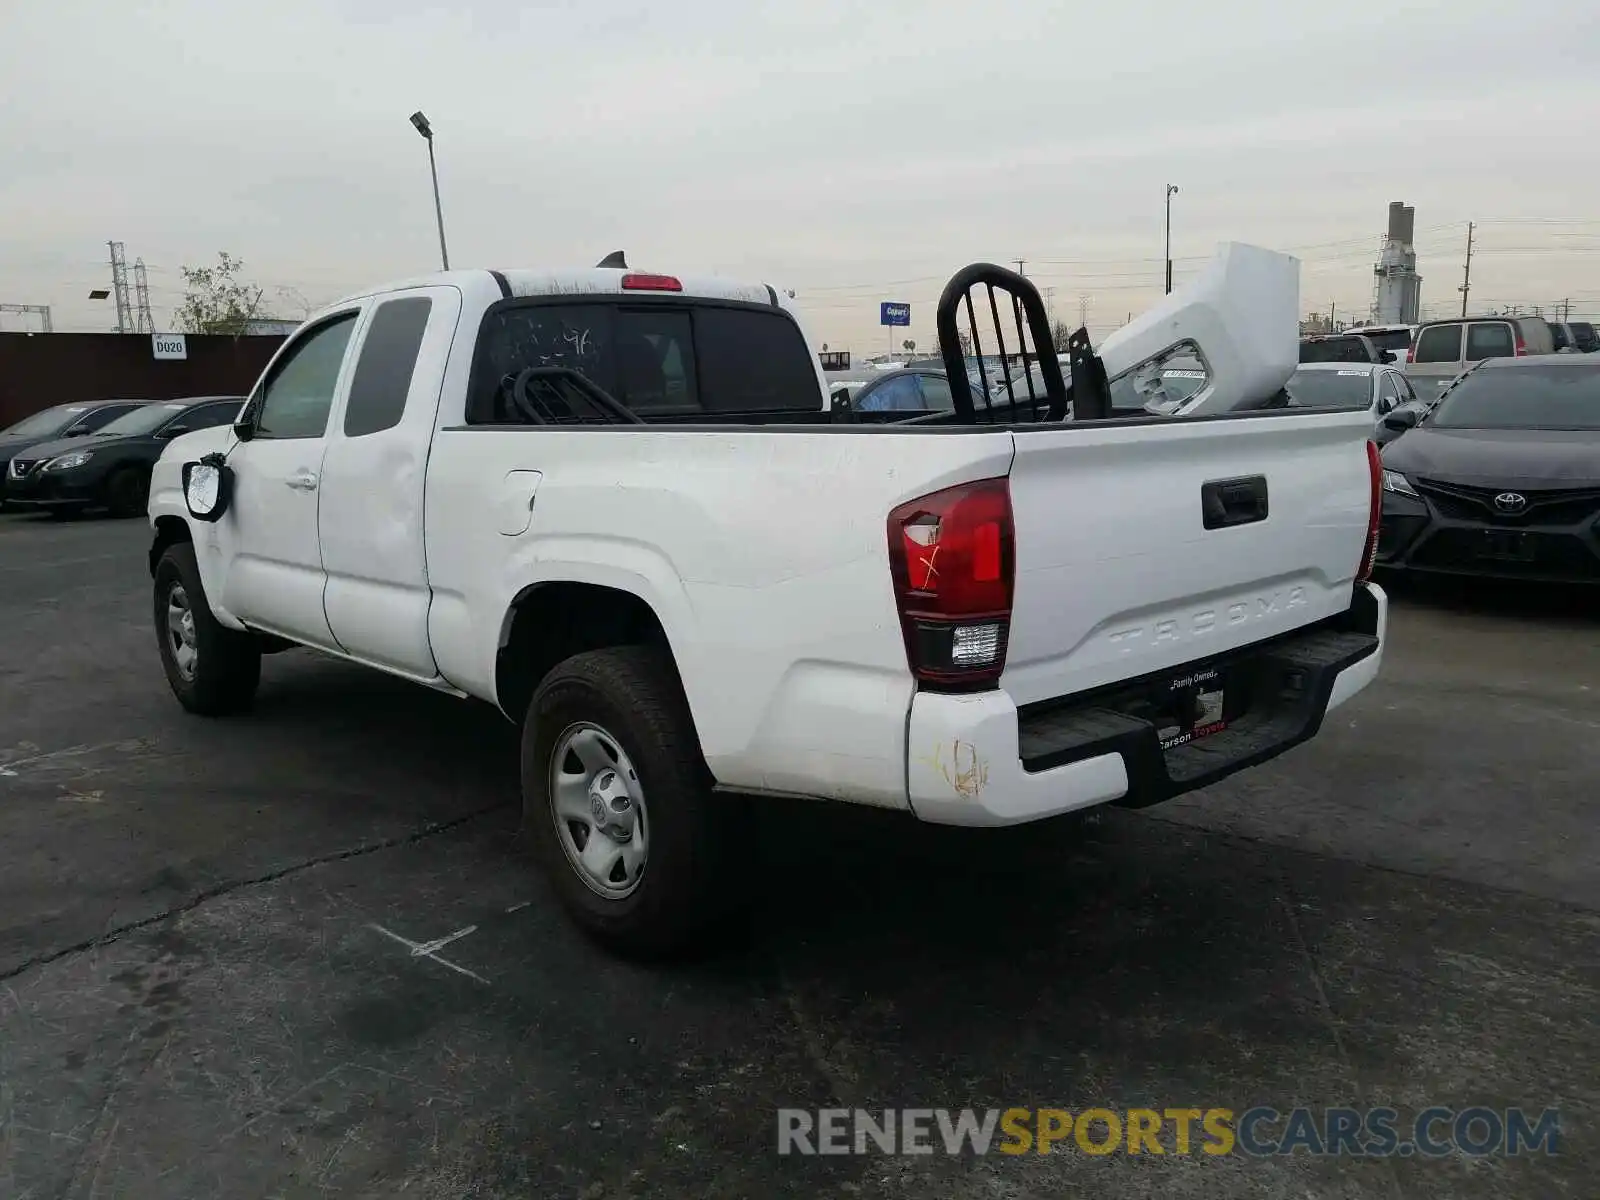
{"x": 389, "y": 352}
{"x": 1388, "y": 392}
{"x": 296, "y": 400}
{"x": 209, "y": 416}
{"x": 1407, "y": 392}
{"x": 899, "y": 394}
{"x": 936, "y": 395}
{"x": 655, "y": 361}
{"x": 97, "y": 417}
{"x": 1489, "y": 339}
{"x": 1439, "y": 343}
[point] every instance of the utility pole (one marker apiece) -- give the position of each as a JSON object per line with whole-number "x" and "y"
{"x": 1331, "y": 304}
{"x": 1020, "y": 271}
{"x": 1083, "y": 312}
{"x": 1172, "y": 189}
{"x": 119, "y": 287}
{"x": 1466, "y": 274}
{"x": 1566, "y": 309}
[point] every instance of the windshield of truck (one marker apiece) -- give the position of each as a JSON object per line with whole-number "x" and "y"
{"x": 1330, "y": 389}
{"x": 47, "y": 423}
{"x": 1523, "y": 398}
{"x": 143, "y": 420}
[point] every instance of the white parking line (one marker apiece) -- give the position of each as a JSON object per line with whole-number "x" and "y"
{"x": 421, "y": 949}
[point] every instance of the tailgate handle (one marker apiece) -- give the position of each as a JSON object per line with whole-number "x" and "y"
{"x": 1225, "y": 502}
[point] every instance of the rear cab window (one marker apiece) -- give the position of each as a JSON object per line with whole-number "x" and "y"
{"x": 661, "y": 360}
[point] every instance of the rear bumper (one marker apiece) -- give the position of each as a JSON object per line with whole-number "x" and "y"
{"x": 975, "y": 760}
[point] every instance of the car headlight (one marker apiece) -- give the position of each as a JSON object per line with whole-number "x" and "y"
{"x": 66, "y": 462}
{"x": 1397, "y": 483}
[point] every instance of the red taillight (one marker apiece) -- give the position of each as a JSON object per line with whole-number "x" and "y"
{"x": 1522, "y": 346}
{"x": 650, "y": 283}
{"x": 952, "y": 558}
{"x": 1369, "y": 556}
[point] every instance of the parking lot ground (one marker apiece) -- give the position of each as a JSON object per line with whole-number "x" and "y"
{"x": 300, "y": 954}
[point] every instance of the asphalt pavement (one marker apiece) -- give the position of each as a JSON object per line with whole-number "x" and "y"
{"x": 300, "y": 953}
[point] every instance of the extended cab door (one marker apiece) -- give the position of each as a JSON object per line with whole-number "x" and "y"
{"x": 274, "y": 575}
{"x": 371, "y": 517}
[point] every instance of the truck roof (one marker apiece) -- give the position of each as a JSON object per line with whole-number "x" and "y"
{"x": 578, "y": 281}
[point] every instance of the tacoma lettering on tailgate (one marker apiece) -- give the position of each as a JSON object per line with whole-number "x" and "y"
{"x": 1205, "y": 621}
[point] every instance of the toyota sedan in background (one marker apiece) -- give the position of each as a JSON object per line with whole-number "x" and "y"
{"x": 1502, "y": 477}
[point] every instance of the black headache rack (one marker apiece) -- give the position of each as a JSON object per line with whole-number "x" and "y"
{"x": 560, "y": 396}
{"x": 1090, "y": 397}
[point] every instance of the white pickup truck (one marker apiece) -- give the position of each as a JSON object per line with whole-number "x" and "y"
{"x": 615, "y": 505}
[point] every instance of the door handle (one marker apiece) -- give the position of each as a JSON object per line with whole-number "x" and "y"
{"x": 1225, "y": 502}
{"x": 303, "y": 481}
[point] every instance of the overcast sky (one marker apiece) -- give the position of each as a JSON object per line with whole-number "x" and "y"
{"x": 851, "y": 151}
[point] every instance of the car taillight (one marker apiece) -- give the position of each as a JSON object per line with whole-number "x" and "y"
{"x": 650, "y": 283}
{"x": 1369, "y": 556}
{"x": 1522, "y": 347}
{"x": 952, "y": 556}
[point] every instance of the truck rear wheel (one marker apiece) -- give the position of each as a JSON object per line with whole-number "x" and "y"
{"x": 213, "y": 670}
{"x": 617, "y": 803}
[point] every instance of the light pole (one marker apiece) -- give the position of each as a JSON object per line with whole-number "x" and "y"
{"x": 426, "y": 130}
{"x": 1172, "y": 190}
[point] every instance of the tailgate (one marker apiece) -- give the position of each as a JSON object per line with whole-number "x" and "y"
{"x": 1118, "y": 575}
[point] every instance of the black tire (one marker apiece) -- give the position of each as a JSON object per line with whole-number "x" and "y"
{"x": 226, "y": 665}
{"x": 683, "y": 893}
{"x": 128, "y": 492}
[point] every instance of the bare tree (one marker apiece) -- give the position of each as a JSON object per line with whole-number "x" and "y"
{"x": 215, "y": 300}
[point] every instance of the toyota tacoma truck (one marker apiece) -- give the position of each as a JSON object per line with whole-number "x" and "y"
{"x": 620, "y": 507}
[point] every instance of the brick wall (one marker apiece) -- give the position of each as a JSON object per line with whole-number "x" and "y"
{"x": 41, "y": 369}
